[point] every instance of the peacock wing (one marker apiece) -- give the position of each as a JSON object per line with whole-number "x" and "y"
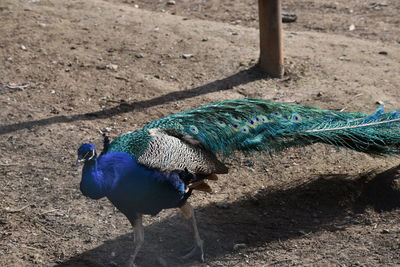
{"x": 169, "y": 150}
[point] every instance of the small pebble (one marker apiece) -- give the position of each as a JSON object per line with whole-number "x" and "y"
{"x": 289, "y": 17}
{"x": 171, "y": 2}
{"x": 239, "y": 246}
{"x": 352, "y": 27}
{"x": 222, "y": 205}
{"x": 162, "y": 262}
{"x": 23, "y": 47}
{"x": 186, "y": 56}
{"x": 383, "y": 53}
{"x": 112, "y": 67}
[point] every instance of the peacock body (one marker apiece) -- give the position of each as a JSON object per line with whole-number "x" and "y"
{"x": 130, "y": 186}
{"x": 158, "y": 166}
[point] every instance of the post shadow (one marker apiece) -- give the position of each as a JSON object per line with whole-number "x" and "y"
{"x": 240, "y": 78}
{"x": 271, "y": 214}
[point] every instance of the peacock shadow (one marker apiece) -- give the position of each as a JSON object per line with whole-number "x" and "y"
{"x": 327, "y": 203}
{"x": 240, "y": 78}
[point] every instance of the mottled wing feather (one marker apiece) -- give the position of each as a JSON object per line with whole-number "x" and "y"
{"x": 168, "y": 152}
{"x": 184, "y": 137}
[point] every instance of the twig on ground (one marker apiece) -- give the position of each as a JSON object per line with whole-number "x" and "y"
{"x": 16, "y": 210}
{"x": 23, "y": 86}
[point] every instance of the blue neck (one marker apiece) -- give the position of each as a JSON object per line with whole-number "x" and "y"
{"x": 92, "y": 183}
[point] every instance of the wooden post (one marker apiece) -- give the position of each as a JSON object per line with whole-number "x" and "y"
{"x": 271, "y": 41}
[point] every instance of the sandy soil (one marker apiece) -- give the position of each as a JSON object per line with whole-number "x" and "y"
{"x": 71, "y": 69}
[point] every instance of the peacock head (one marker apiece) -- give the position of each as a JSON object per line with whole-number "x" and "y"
{"x": 86, "y": 152}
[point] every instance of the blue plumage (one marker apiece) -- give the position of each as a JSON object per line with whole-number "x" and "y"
{"x": 132, "y": 188}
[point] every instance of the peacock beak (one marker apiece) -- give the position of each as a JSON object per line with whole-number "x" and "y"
{"x": 79, "y": 161}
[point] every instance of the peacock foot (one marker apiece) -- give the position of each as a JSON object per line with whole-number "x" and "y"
{"x": 196, "y": 252}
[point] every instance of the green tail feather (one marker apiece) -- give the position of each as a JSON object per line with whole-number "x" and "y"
{"x": 254, "y": 125}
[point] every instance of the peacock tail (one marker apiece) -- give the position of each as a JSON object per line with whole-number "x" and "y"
{"x": 259, "y": 125}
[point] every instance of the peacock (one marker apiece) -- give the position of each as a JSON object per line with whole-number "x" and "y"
{"x": 159, "y": 166}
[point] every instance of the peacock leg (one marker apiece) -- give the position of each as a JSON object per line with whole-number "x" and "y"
{"x": 138, "y": 237}
{"x": 197, "y": 249}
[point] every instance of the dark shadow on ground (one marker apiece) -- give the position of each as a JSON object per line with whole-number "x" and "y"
{"x": 381, "y": 193}
{"x": 240, "y": 78}
{"x": 328, "y": 203}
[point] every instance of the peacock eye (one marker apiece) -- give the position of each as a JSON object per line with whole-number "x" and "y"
{"x": 90, "y": 154}
{"x": 87, "y": 155}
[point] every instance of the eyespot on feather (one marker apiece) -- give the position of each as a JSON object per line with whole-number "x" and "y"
{"x": 245, "y": 129}
{"x": 236, "y": 127}
{"x": 253, "y": 123}
{"x": 221, "y": 124}
{"x": 264, "y": 119}
{"x": 296, "y": 118}
{"x": 193, "y": 129}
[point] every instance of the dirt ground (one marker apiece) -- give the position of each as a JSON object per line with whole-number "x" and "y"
{"x": 73, "y": 69}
